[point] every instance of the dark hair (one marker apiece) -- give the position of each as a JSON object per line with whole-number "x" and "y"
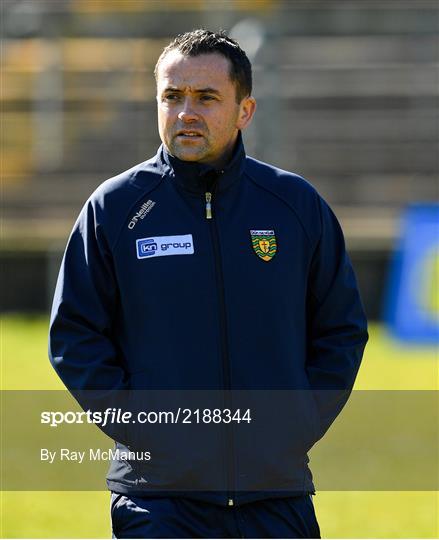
{"x": 202, "y": 41}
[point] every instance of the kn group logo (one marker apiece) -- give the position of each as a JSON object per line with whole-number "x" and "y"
{"x": 160, "y": 246}
{"x": 146, "y": 247}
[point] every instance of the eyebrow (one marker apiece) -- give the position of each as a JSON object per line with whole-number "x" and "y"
{"x": 207, "y": 90}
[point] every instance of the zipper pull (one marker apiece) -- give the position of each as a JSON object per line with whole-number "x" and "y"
{"x": 208, "y": 205}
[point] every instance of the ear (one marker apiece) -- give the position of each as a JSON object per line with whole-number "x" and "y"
{"x": 247, "y": 109}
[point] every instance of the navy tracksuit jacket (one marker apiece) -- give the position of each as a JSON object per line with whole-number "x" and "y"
{"x": 179, "y": 277}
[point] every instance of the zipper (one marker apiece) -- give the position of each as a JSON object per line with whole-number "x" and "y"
{"x": 225, "y": 358}
{"x": 208, "y": 205}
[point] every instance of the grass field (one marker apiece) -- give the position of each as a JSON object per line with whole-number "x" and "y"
{"x": 387, "y": 366}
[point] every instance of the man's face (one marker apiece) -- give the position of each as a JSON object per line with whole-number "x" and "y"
{"x": 198, "y": 115}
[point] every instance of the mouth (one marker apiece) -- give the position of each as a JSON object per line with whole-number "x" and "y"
{"x": 189, "y": 134}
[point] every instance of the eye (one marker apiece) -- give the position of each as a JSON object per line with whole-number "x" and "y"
{"x": 207, "y": 97}
{"x": 171, "y": 97}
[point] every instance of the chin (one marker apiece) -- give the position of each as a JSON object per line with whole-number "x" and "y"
{"x": 185, "y": 155}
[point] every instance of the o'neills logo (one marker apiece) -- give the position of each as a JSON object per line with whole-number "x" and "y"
{"x": 143, "y": 210}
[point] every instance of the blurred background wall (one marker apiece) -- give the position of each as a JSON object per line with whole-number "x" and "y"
{"x": 347, "y": 96}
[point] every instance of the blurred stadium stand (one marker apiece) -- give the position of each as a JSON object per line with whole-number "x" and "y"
{"x": 347, "y": 96}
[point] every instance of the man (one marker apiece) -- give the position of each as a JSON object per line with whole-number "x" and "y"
{"x": 204, "y": 269}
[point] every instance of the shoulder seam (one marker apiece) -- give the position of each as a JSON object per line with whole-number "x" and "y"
{"x": 284, "y": 201}
{"x": 143, "y": 193}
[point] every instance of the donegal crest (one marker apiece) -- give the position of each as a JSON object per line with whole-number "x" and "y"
{"x": 264, "y": 244}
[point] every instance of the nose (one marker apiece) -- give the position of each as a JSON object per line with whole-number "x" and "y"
{"x": 187, "y": 113}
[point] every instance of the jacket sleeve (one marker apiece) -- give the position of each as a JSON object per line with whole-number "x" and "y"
{"x": 81, "y": 345}
{"x": 336, "y": 323}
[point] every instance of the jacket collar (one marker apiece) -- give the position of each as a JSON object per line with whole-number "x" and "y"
{"x": 195, "y": 177}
